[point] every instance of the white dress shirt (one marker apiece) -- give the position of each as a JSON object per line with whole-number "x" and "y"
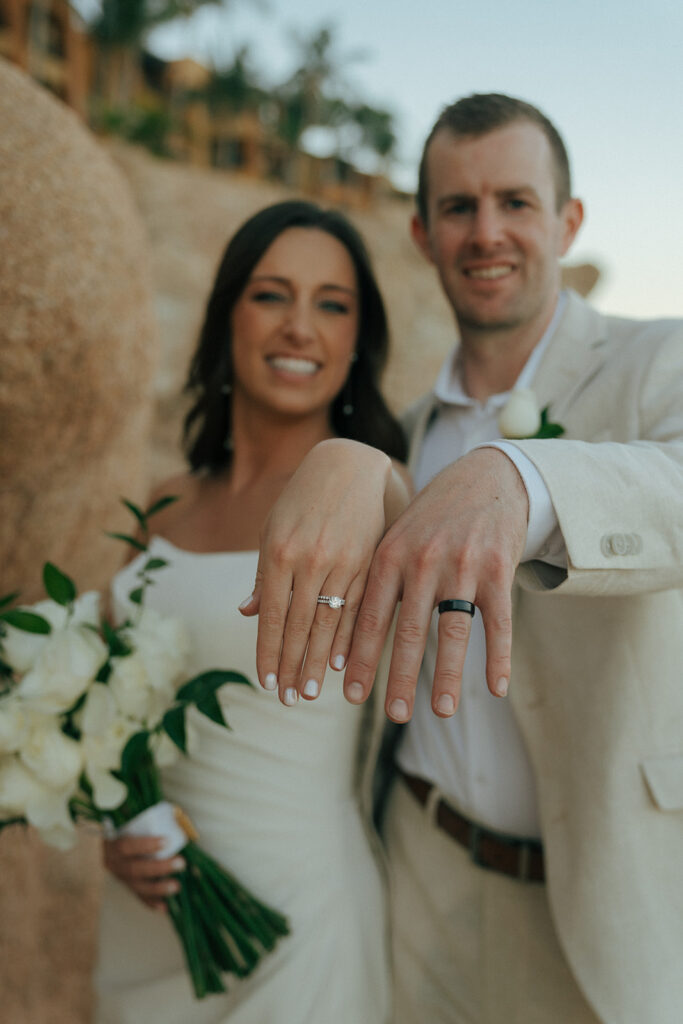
{"x": 477, "y": 758}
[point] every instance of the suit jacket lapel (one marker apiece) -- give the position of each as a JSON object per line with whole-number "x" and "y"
{"x": 575, "y": 354}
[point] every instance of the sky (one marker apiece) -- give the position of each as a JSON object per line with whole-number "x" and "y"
{"x": 609, "y": 75}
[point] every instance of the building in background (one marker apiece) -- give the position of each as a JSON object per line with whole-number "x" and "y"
{"x": 49, "y": 41}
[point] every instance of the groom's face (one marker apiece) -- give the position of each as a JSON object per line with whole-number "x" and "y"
{"x": 494, "y": 232}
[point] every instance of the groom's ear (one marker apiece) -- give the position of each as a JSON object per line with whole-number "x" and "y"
{"x": 420, "y": 235}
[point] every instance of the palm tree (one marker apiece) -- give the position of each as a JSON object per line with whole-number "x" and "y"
{"x": 305, "y": 98}
{"x": 237, "y": 87}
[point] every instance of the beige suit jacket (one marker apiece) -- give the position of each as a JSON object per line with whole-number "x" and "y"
{"x": 597, "y": 672}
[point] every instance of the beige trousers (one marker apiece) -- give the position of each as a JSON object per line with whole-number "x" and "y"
{"x": 470, "y": 946}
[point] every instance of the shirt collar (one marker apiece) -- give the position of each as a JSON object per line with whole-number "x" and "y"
{"x": 448, "y": 388}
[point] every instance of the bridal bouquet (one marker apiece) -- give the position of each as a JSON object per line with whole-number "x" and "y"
{"x": 89, "y": 713}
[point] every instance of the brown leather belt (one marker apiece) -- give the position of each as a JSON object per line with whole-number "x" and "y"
{"x": 519, "y": 858}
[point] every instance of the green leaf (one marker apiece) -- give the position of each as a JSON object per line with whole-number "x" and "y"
{"x": 173, "y": 724}
{"x": 58, "y": 586}
{"x": 155, "y": 563}
{"x": 197, "y": 689}
{"x": 6, "y": 671}
{"x": 550, "y": 430}
{"x": 137, "y": 512}
{"x": 28, "y": 621}
{"x": 118, "y": 648}
{"x": 136, "y": 595}
{"x": 133, "y": 541}
{"x": 210, "y": 707}
{"x": 8, "y": 598}
{"x": 164, "y": 502}
{"x": 134, "y": 753}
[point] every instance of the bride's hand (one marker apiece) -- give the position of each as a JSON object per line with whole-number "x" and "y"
{"x": 131, "y": 860}
{"x": 319, "y": 538}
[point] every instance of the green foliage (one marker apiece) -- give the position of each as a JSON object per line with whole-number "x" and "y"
{"x": 124, "y": 23}
{"x": 173, "y": 724}
{"x": 30, "y": 622}
{"x": 548, "y": 429}
{"x": 208, "y": 682}
{"x": 162, "y": 503}
{"x": 133, "y": 541}
{"x": 57, "y": 585}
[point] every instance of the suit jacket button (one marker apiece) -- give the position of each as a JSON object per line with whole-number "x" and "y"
{"x": 620, "y": 544}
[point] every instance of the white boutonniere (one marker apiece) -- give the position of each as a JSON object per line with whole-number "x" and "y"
{"x": 521, "y": 417}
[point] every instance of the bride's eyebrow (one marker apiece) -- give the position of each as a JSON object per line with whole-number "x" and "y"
{"x": 270, "y": 277}
{"x": 339, "y": 288}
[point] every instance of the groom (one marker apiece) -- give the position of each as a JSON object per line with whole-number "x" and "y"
{"x": 535, "y": 844}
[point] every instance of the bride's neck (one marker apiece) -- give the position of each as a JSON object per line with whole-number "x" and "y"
{"x": 272, "y": 447}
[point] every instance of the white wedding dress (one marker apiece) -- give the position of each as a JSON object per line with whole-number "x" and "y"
{"x": 273, "y": 800}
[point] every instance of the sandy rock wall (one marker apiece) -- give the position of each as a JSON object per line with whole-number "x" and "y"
{"x": 77, "y": 351}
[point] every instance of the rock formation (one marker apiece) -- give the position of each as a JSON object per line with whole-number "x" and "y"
{"x": 77, "y": 351}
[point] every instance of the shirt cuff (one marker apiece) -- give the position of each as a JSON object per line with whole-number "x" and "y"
{"x": 544, "y": 538}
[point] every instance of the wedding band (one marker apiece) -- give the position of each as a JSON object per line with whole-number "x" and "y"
{"x": 456, "y": 605}
{"x": 332, "y": 600}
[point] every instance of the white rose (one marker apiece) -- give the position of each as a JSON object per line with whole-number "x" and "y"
{"x": 104, "y": 750}
{"x": 520, "y": 416}
{"x": 55, "y": 759}
{"x": 13, "y": 724}
{"x": 66, "y": 665}
{"x": 45, "y": 807}
{"x": 132, "y": 688}
{"x": 164, "y": 750}
{"x": 164, "y": 644}
{"x": 108, "y": 792}
{"x": 98, "y": 712}
{"x": 21, "y": 649}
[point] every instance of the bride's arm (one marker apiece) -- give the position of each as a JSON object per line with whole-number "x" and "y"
{"x": 320, "y": 538}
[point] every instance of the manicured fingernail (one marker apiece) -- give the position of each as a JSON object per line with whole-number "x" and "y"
{"x": 445, "y": 705}
{"x": 338, "y": 662}
{"x": 311, "y": 688}
{"x": 247, "y": 601}
{"x": 354, "y": 692}
{"x": 270, "y": 682}
{"x": 501, "y": 687}
{"x": 398, "y": 710}
{"x": 178, "y": 864}
{"x": 290, "y": 696}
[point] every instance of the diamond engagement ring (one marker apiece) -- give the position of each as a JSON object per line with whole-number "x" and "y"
{"x": 332, "y": 600}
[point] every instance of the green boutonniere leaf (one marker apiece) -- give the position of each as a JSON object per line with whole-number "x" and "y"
{"x": 548, "y": 429}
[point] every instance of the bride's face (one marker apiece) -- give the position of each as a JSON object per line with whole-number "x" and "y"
{"x": 294, "y": 328}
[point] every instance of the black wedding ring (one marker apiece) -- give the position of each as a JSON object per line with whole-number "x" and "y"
{"x": 456, "y": 605}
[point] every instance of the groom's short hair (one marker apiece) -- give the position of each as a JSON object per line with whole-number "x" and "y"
{"x": 480, "y": 114}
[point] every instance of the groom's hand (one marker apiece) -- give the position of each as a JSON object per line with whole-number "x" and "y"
{"x": 461, "y": 537}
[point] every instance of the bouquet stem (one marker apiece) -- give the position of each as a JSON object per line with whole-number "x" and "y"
{"x": 221, "y": 926}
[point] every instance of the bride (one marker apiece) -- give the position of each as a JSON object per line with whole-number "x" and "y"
{"x": 289, "y": 358}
